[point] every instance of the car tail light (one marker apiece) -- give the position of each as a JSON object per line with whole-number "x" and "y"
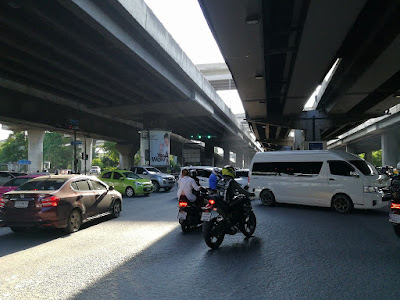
{"x": 183, "y": 204}
{"x": 395, "y": 206}
{"x": 50, "y": 201}
{"x": 211, "y": 201}
{"x": 2, "y": 202}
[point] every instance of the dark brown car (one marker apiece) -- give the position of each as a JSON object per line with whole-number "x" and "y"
{"x": 61, "y": 201}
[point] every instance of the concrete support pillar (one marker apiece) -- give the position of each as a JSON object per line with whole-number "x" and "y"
{"x": 126, "y": 154}
{"x": 239, "y": 159}
{"x": 368, "y": 156}
{"x": 227, "y": 152}
{"x": 86, "y": 148}
{"x": 209, "y": 154}
{"x": 35, "y": 149}
{"x": 298, "y": 140}
{"x": 390, "y": 141}
{"x": 350, "y": 149}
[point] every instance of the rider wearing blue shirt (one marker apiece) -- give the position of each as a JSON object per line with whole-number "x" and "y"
{"x": 213, "y": 179}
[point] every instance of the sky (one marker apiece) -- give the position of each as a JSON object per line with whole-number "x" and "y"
{"x": 184, "y": 20}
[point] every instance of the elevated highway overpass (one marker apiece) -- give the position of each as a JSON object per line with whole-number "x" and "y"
{"x": 112, "y": 66}
{"x": 279, "y": 52}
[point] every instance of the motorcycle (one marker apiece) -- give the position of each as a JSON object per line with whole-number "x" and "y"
{"x": 189, "y": 214}
{"x": 230, "y": 219}
{"x": 394, "y": 214}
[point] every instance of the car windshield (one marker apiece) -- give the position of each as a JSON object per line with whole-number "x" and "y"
{"x": 364, "y": 167}
{"x": 49, "y": 184}
{"x": 153, "y": 170}
{"x": 242, "y": 174}
{"x": 131, "y": 175}
{"x": 16, "y": 181}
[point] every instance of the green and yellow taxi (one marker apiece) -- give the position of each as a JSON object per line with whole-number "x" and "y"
{"x": 127, "y": 182}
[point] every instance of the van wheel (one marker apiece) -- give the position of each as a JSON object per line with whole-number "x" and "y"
{"x": 267, "y": 198}
{"x": 342, "y": 203}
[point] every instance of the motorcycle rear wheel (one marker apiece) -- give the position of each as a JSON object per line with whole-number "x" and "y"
{"x": 214, "y": 233}
{"x": 249, "y": 225}
{"x": 397, "y": 229}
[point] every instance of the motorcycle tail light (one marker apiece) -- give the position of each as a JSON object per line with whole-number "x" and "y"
{"x": 183, "y": 204}
{"x": 211, "y": 201}
{"x": 395, "y": 206}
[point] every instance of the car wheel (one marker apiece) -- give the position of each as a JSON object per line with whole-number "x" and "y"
{"x": 342, "y": 204}
{"x": 156, "y": 186}
{"x": 267, "y": 198}
{"x": 397, "y": 229}
{"x": 129, "y": 192}
{"x": 116, "y": 209}
{"x": 167, "y": 189}
{"x": 74, "y": 221}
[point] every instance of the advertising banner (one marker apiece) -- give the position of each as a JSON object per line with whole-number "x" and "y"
{"x": 160, "y": 147}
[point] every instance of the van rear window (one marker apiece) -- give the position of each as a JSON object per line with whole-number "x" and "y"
{"x": 287, "y": 168}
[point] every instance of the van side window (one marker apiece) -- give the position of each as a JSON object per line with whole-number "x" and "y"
{"x": 287, "y": 168}
{"x": 340, "y": 168}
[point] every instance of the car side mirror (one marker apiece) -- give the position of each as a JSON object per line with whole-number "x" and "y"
{"x": 145, "y": 173}
{"x": 111, "y": 188}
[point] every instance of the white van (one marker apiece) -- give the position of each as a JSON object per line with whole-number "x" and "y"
{"x": 320, "y": 178}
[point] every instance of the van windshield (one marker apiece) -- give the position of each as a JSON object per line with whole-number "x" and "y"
{"x": 364, "y": 167}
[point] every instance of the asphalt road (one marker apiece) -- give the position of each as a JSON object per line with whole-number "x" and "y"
{"x": 297, "y": 252}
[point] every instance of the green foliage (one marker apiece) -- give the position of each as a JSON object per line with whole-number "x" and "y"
{"x": 14, "y": 148}
{"x": 377, "y": 158}
{"x": 57, "y": 150}
{"x": 111, "y": 156}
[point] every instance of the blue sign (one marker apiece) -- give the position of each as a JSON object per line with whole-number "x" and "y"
{"x": 24, "y": 162}
{"x": 76, "y": 143}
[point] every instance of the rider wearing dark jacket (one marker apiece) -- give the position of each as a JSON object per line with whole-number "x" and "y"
{"x": 230, "y": 186}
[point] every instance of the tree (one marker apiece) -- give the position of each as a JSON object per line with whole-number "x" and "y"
{"x": 57, "y": 150}
{"x": 111, "y": 155}
{"x": 14, "y": 148}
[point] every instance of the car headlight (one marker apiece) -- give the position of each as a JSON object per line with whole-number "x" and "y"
{"x": 371, "y": 189}
{"x": 138, "y": 183}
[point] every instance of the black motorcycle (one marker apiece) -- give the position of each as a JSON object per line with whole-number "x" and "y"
{"x": 231, "y": 218}
{"x": 189, "y": 214}
{"x": 394, "y": 215}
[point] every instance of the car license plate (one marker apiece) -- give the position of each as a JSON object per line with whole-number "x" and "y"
{"x": 394, "y": 218}
{"x": 205, "y": 216}
{"x": 21, "y": 204}
{"x": 182, "y": 215}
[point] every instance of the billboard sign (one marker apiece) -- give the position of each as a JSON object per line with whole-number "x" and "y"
{"x": 160, "y": 147}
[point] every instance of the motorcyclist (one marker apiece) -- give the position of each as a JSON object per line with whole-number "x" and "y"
{"x": 213, "y": 179}
{"x": 230, "y": 186}
{"x": 186, "y": 185}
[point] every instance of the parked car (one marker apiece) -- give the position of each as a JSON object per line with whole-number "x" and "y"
{"x": 242, "y": 177}
{"x": 7, "y": 175}
{"x": 16, "y": 182}
{"x": 158, "y": 178}
{"x": 127, "y": 182}
{"x": 60, "y": 201}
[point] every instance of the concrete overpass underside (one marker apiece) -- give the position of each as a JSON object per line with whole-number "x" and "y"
{"x": 109, "y": 64}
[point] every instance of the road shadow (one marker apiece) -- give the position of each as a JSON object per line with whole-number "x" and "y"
{"x": 11, "y": 242}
